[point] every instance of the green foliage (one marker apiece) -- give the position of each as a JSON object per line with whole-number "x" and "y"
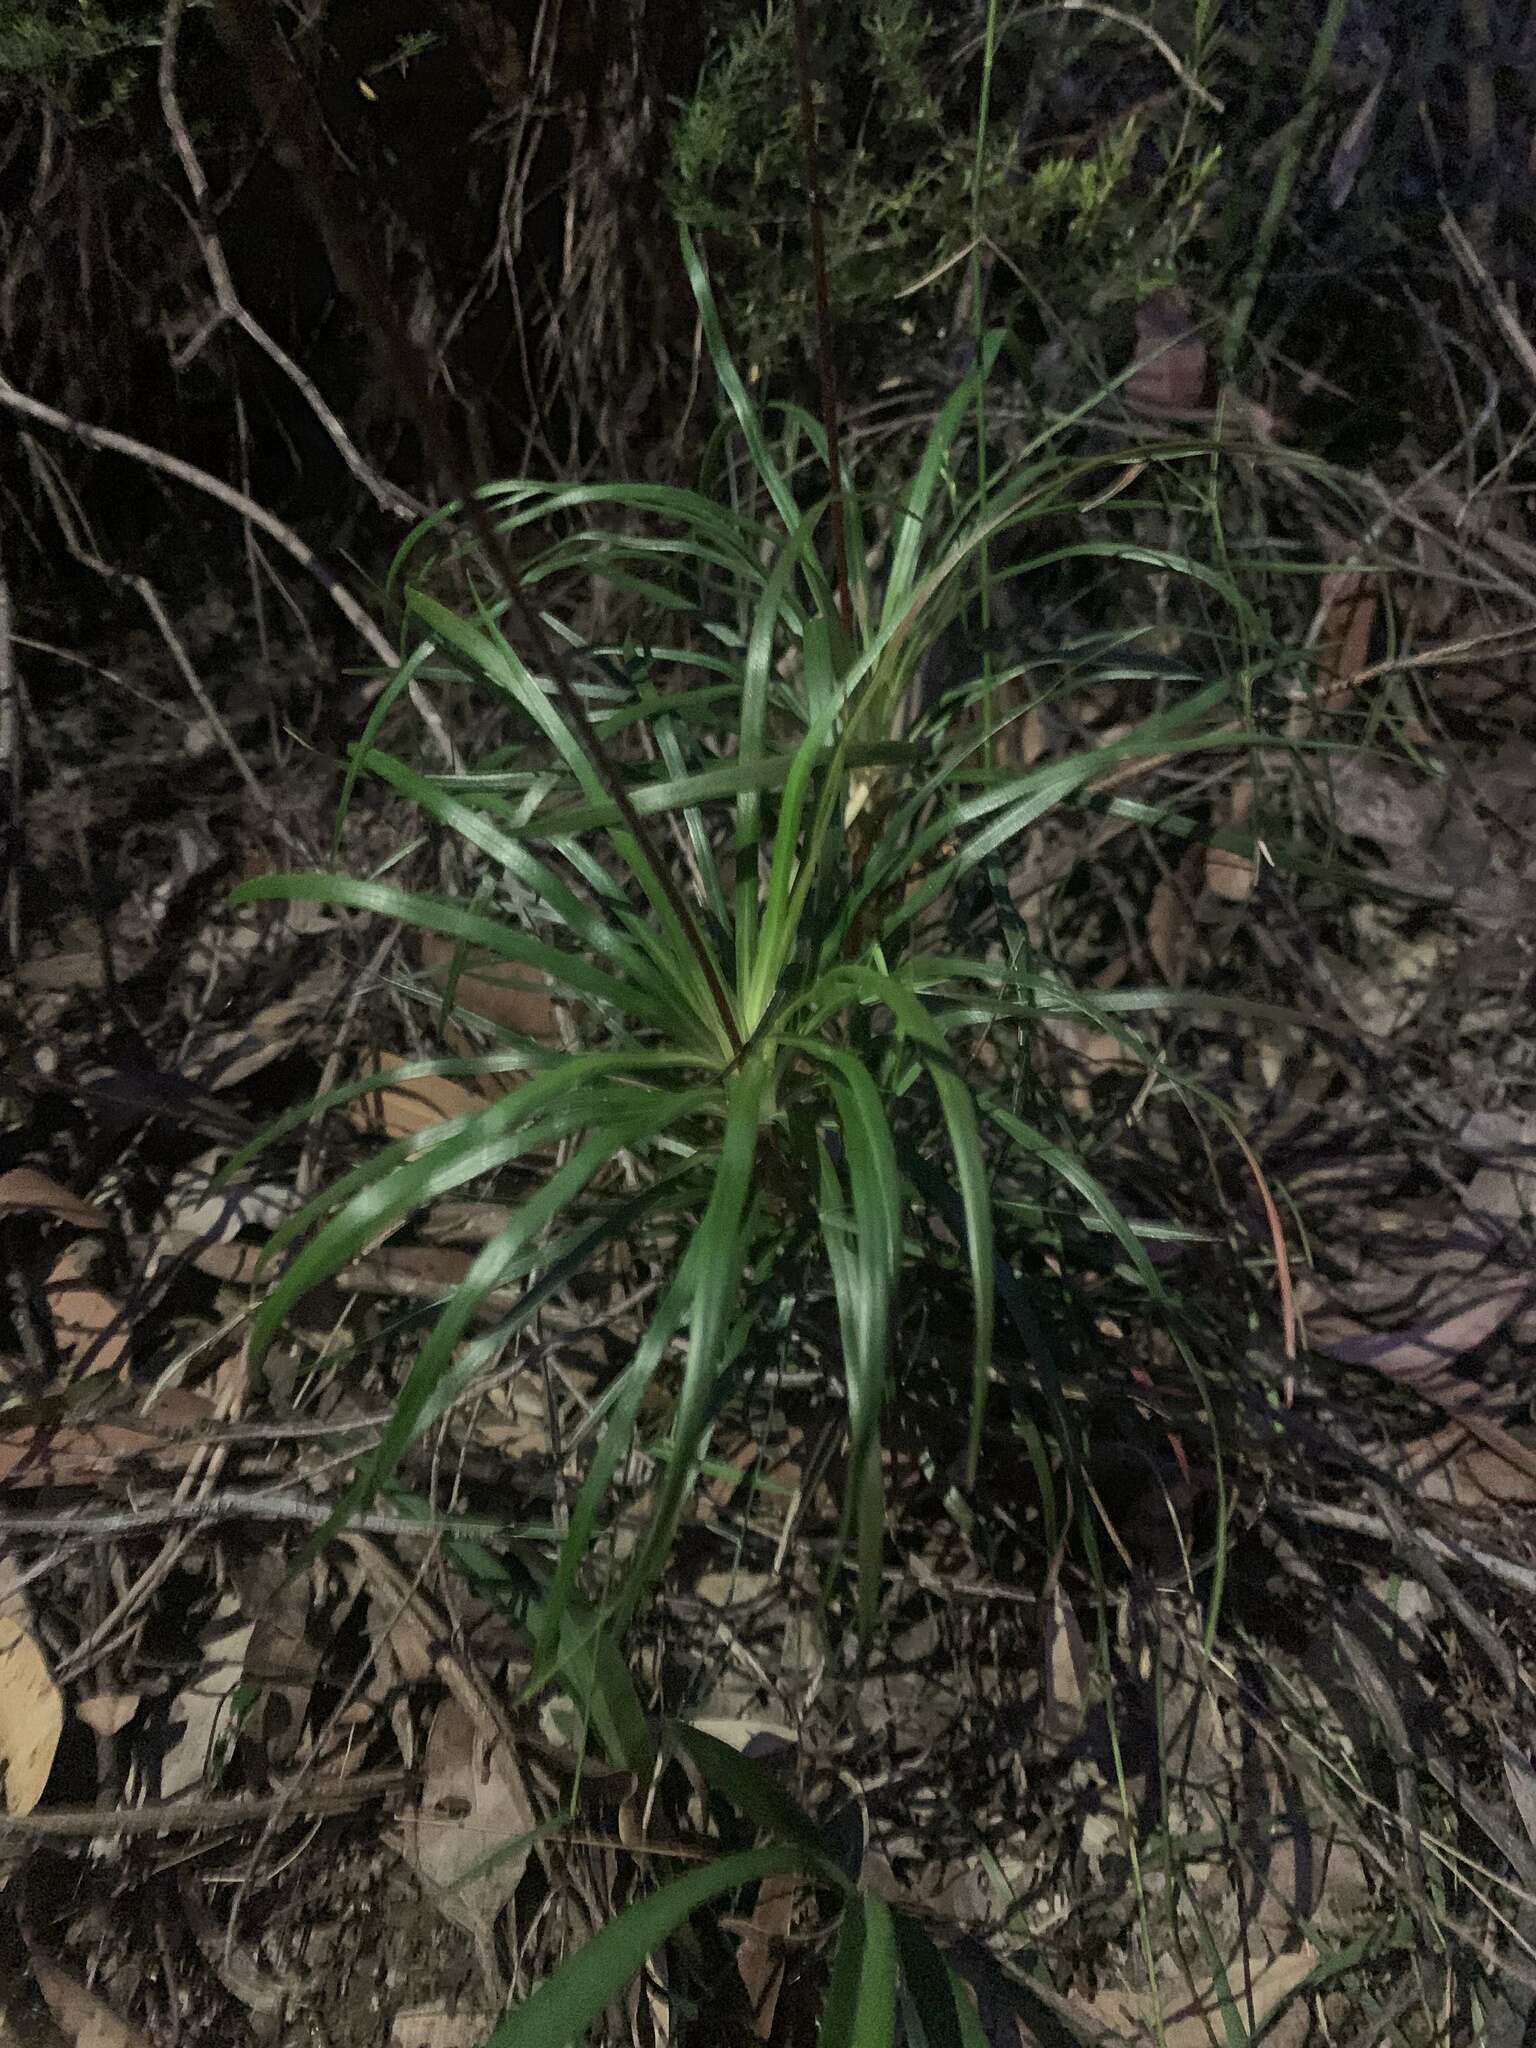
{"x": 882, "y": 1955}
{"x": 49, "y": 41}
{"x": 785, "y": 1075}
{"x": 1090, "y": 226}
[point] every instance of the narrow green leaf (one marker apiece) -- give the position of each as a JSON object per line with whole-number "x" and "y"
{"x": 860, "y": 2011}
{"x": 935, "y": 2004}
{"x": 755, "y": 1792}
{"x": 565, "y": 969}
{"x": 594, "y": 1976}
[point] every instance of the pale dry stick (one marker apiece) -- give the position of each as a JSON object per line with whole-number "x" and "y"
{"x": 187, "y": 1816}
{"x": 387, "y": 496}
{"x": 145, "y": 591}
{"x": 1324, "y": 1515}
{"x": 107, "y": 440}
{"x": 233, "y": 1505}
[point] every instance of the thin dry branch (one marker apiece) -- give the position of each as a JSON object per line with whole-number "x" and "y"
{"x": 107, "y": 440}
{"x": 387, "y": 496}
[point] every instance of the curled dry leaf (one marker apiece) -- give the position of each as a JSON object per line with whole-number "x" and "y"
{"x": 1064, "y": 1690}
{"x": 1354, "y": 147}
{"x": 468, "y": 1839}
{"x": 31, "y": 1717}
{"x": 761, "y": 1955}
{"x": 25, "y": 1188}
{"x": 1347, "y": 612}
{"x": 1170, "y": 934}
{"x": 1521, "y": 1775}
{"x": 202, "y": 1718}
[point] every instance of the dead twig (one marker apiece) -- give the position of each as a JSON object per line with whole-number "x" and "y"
{"x": 387, "y": 496}
{"x": 231, "y": 1505}
{"x": 188, "y": 1816}
{"x": 107, "y": 440}
{"x": 146, "y": 592}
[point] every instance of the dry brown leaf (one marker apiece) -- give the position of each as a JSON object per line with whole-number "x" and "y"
{"x": 1135, "y": 2014}
{"x": 1453, "y": 1467}
{"x": 1459, "y": 1319}
{"x": 517, "y": 998}
{"x": 281, "y": 1660}
{"x": 761, "y": 1955}
{"x": 1231, "y": 876}
{"x": 229, "y": 1057}
{"x": 83, "y": 2018}
{"x": 31, "y": 1717}
{"x": 1171, "y": 364}
{"x": 1454, "y": 1320}
{"x": 465, "y": 1840}
{"x": 412, "y": 1106}
{"x": 1064, "y": 1686}
{"x": 1348, "y": 612}
{"x": 82, "y": 1453}
{"x": 108, "y": 1713}
{"x": 24, "y": 1188}
{"x": 1169, "y": 931}
{"x": 87, "y": 1324}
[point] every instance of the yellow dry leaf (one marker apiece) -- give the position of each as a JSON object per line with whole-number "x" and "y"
{"x": 31, "y": 1717}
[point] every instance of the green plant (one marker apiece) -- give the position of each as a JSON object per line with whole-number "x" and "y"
{"x": 783, "y": 1073}
{"x": 884, "y": 1960}
{"x": 48, "y": 46}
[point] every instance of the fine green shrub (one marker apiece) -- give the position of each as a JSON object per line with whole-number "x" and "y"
{"x": 913, "y": 184}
